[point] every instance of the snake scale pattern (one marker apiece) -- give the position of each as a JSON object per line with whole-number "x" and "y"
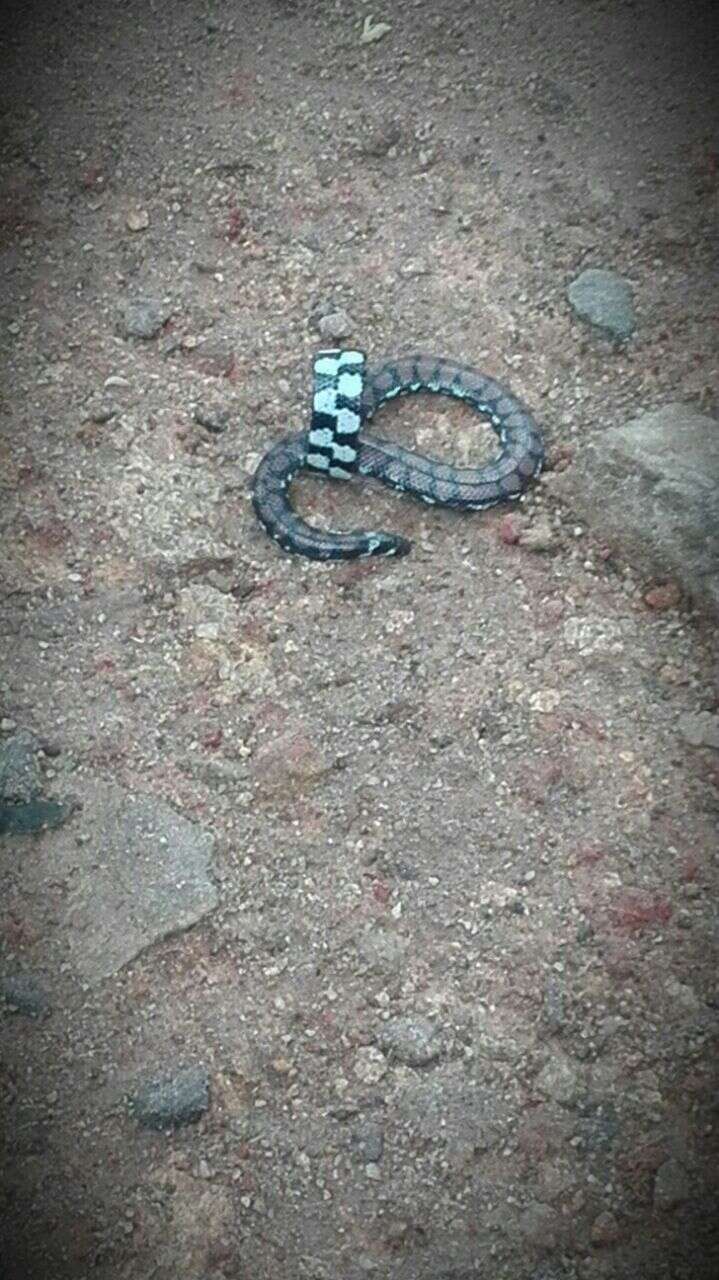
{"x": 346, "y": 396}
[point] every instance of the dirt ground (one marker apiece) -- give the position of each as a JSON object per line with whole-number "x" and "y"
{"x": 436, "y": 943}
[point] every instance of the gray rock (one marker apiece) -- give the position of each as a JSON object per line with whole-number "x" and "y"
{"x": 20, "y": 776}
{"x": 671, "y": 1185}
{"x": 651, "y": 489}
{"x": 143, "y": 874}
{"x": 336, "y": 325}
{"x": 22, "y": 994}
{"x": 414, "y": 1041}
{"x": 143, "y": 318}
{"x": 560, "y": 1080}
{"x": 173, "y": 1101}
{"x": 700, "y": 729}
{"x": 605, "y": 300}
{"x": 539, "y": 1225}
{"x": 369, "y": 1141}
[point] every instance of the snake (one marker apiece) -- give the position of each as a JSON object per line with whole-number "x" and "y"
{"x": 346, "y": 396}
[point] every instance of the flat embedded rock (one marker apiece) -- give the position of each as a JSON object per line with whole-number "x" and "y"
{"x": 132, "y": 871}
{"x": 604, "y": 299}
{"x": 651, "y": 489}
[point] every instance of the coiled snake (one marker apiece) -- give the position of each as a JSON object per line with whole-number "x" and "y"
{"x": 345, "y": 397}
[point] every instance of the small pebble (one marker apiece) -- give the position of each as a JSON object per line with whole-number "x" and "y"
{"x": 336, "y": 325}
{"x": 414, "y": 1041}
{"x": 540, "y": 536}
{"x": 213, "y": 419}
{"x": 370, "y": 1065}
{"x": 143, "y": 318}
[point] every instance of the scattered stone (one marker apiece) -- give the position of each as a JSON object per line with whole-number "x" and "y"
{"x": 554, "y": 1005}
{"x": 414, "y": 1041}
{"x": 137, "y": 220}
{"x": 20, "y": 776}
{"x": 143, "y": 318}
{"x": 661, "y": 598}
{"x": 173, "y": 1101}
{"x": 671, "y": 1186}
{"x": 7, "y": 724}
{"x": 212, "y": 418}
{"x": 115, "y": 380}
{"x": 605, "y": 1229}
{"x": 22, "y": 994}
{"x": 413, "y": 267}
{"x": 369, "y": 1140}
{"x": 700, "y": 729}
{"x": 594, "y": 635}
{"x": 223, "y": 582}
{"x": 214, "y": 357}
{"x": 538, "y": 1224}
{"x": 100, "y": 412}
{"x": 538, "y": 536}
{"x": 208, "y": 612}
{"x": 560, "y": 1080}
{"x": 377, "y": 140}
{"x": 372, "y": 31}
{"x": 650, "y": 489}
{"x": 290, "y": 763}
{"x": 370, "y": 1065}
{"x": 336, "y": 325}
{"x": 381, "y": 950}
{"x": 545, "y": 700}
{"x": 605, "y": 300}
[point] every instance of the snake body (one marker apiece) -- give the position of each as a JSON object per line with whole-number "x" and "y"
{"x": 346, "y": 397}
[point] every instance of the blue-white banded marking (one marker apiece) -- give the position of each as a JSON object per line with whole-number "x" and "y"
{"x": 503, "y": 479}
{"x": 333, "y": 436}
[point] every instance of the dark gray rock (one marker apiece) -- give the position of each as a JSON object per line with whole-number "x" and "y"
{"x": 32, "y": 817}
{"x": 671, "y": 1185}
{"x": 172, "y": 1101}
{"x": 651, "y": 489}
{"x": 143, "y": 318}
{"x": 605, "y": 300}
{"x": 22, "y": 994}
{"x": 20, "y": 776}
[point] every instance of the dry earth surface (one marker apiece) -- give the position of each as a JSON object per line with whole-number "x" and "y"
{"x": 371, "y": 930}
